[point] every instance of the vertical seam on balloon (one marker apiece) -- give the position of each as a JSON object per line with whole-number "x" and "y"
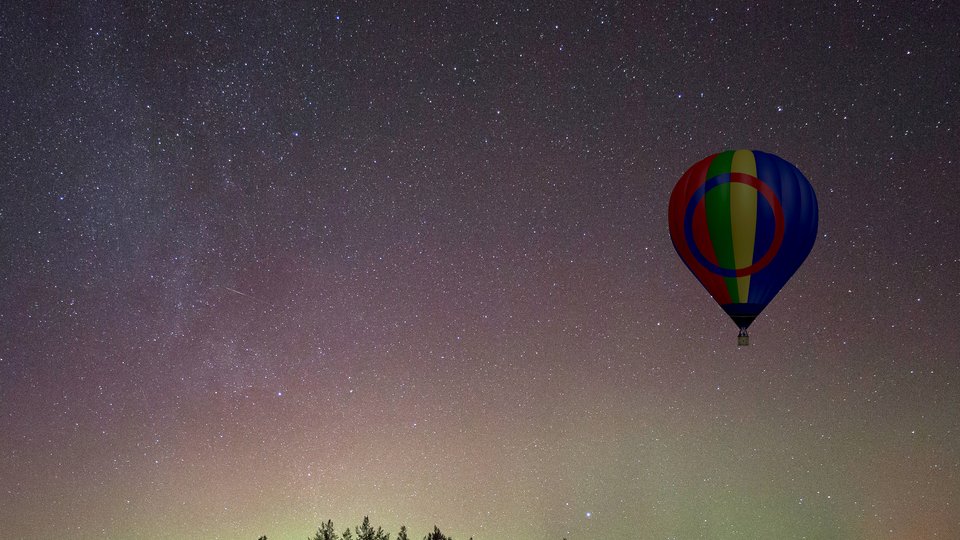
{"x": 721, "y": 233}
{"x": 743, "y": 218}
{"x": 688, "y": 184}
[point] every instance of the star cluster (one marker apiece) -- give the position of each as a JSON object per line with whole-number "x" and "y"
{"x": 267, "y": 264}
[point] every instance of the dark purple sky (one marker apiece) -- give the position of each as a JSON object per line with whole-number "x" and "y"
{"x": 266, "y": 264}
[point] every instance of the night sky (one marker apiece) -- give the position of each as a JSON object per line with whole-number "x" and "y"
{"x": 268, "y": 264}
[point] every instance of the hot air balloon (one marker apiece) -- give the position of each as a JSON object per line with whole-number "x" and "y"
{"x": 743, "y": 221}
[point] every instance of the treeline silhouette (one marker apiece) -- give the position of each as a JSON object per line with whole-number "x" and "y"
{"x": 365, "y": 531}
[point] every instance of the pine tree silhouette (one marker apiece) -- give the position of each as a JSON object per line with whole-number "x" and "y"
{"x": 436, "y": 535}
{"x": 366, "y": 531}
{"x": 325, "y": 532}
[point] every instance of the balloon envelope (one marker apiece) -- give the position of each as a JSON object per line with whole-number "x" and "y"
{"x": 743, "y": 221}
